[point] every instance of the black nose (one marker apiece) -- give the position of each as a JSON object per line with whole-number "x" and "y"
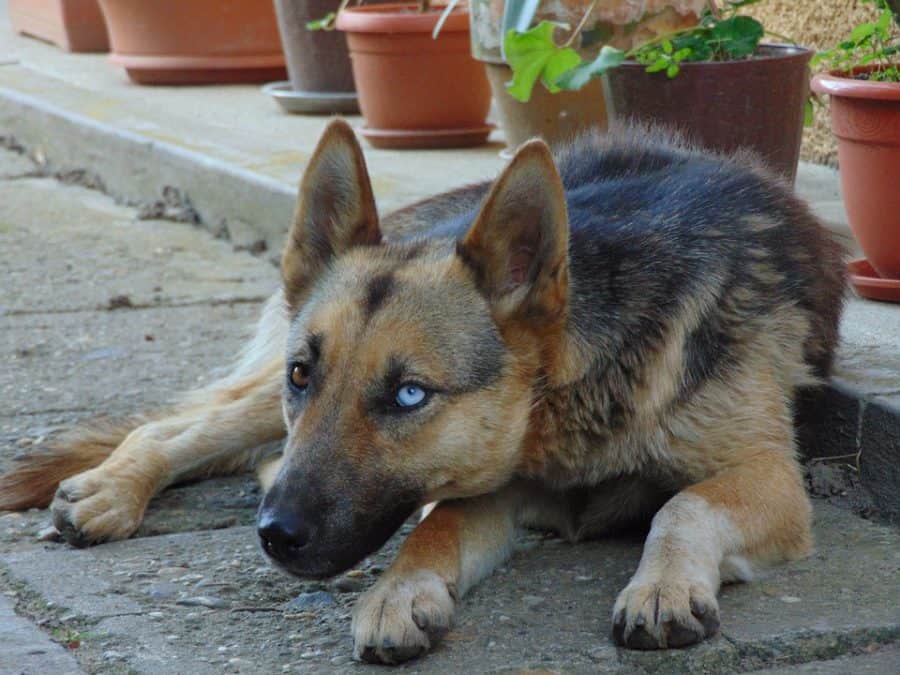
{"x": 283, "y": 536}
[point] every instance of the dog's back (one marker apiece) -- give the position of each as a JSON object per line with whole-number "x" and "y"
{"x": 688, "y": 273}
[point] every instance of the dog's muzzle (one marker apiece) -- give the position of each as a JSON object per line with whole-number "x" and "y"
{"x": 318, "y": 532}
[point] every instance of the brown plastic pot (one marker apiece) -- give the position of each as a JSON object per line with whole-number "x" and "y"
{"x": 756, "y": 103}
{"x": 74, "y": 25}
{"x": 554, "y": 117}
{"x": 195, "y": 41}
{"x": 317, "y": 60}
{"x": 865, "y": 118}
{"x": 415, "y": 91}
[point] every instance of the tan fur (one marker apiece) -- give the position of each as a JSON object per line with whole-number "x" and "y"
{"x": 38, "y": 475}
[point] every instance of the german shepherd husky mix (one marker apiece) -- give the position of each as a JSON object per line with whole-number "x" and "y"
{"x": 583, "y": 345}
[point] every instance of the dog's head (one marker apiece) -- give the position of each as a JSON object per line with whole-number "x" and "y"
{"x": 410, "y": 367}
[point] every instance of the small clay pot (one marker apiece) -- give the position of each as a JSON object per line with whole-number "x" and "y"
{"x": 195, "y": 41}
{"x": 865, "y": 118}
{"x": 756, "y": 103}
{"x": 74, "y": 25}
{"x": 554, "y": 117}
{"x": 415, "y": 91}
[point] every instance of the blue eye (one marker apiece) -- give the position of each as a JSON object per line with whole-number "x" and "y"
{"x": 410, "y": 396}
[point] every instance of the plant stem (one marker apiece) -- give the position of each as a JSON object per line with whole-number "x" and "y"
{"x": 580, "y": 26}
{"x": 781, "y": 37}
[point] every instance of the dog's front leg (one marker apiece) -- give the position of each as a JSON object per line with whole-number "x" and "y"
{"x": 754, "y": 513}
{"x": 410, "y": 607}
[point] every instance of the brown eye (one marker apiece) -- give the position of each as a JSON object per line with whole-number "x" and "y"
{"x": 299, "y": 376}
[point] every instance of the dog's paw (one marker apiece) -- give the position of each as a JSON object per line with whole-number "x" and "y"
{"x": 402, "y": 617}
{"x": 99, "y": 505}
{"x": 664, "y": 613}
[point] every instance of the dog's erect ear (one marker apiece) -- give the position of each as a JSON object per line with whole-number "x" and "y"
{"x": 518, "y": 245}
{"x": 335, "y": 211}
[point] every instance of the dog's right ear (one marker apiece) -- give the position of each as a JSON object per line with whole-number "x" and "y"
{"x": 335, "y": 211}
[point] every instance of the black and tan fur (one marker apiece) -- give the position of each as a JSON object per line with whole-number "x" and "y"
{"x": 604, "y": 339}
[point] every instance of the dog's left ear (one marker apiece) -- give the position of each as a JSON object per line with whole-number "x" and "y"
{"x": 335, "y": 211}
{"x": 518, "y": 245}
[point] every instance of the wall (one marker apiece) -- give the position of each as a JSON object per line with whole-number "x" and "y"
{"x": 818, "y": 24}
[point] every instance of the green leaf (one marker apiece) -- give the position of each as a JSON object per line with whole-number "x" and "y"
{"x": 681, "y": 54}
{"x": 325, "y": 23}
{"x": 660, "y": 64}
{"x": 607, "y": 59}
{"x": 559, "y": 64}
{"x": 672, "y": 70}
{"x": 737, "y": 36}
{"x": 808, "y": 113}
{"x": 696, "y": 42}
{"x": 861, "y": 32}
{"x": 533, "y": 55}
{"x": 667, "y": 46}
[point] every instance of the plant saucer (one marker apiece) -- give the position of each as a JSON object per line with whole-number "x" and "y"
{"x": 312, "y": 102}
{"x": 869, "y": 285}
{"x": 427, "y": 138}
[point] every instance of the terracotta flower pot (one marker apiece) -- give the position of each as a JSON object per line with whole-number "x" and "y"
{"x": 74, "y": 25}
{"x": 756, "y": 103}
{"x": 865, "y": 118}
{"x": 195, "y": 41}
{"x": 415, "y": 91}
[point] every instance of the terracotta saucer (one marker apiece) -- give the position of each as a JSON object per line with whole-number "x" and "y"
{"x": 168, "y": 69}
{"x": 869, "y": 285}
{"x": 427, "y": 138}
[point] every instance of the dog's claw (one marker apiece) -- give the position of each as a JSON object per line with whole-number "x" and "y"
{"x": 664, "y": 614}
{"x": 641, "y": 639}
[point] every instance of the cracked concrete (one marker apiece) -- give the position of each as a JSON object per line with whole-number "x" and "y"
{"x": 191, "y": 594}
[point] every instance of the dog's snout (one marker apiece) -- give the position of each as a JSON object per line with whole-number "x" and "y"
{"x": 283, "y": 536}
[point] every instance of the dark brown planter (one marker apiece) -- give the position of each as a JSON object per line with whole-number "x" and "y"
{"x": 756, "y": 103}
{"x": 553, "y": 117}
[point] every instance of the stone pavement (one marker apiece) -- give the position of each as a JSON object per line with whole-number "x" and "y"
{"x": 101, "y": 311}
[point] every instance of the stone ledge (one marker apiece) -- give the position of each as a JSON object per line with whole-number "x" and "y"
{"x": 840, "y": 422}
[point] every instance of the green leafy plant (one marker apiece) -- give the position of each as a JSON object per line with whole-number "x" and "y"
{"x": 722, "y": 34}
{"x": 875, "y": 44}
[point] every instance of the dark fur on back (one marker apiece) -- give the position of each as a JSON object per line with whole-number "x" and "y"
{"x": 656, "y": 224}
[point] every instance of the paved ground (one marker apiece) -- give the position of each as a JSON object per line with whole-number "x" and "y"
{"x": 103, "y": 312}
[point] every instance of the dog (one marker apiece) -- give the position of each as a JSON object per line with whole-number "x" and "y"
{"x": 610, "y": 338}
